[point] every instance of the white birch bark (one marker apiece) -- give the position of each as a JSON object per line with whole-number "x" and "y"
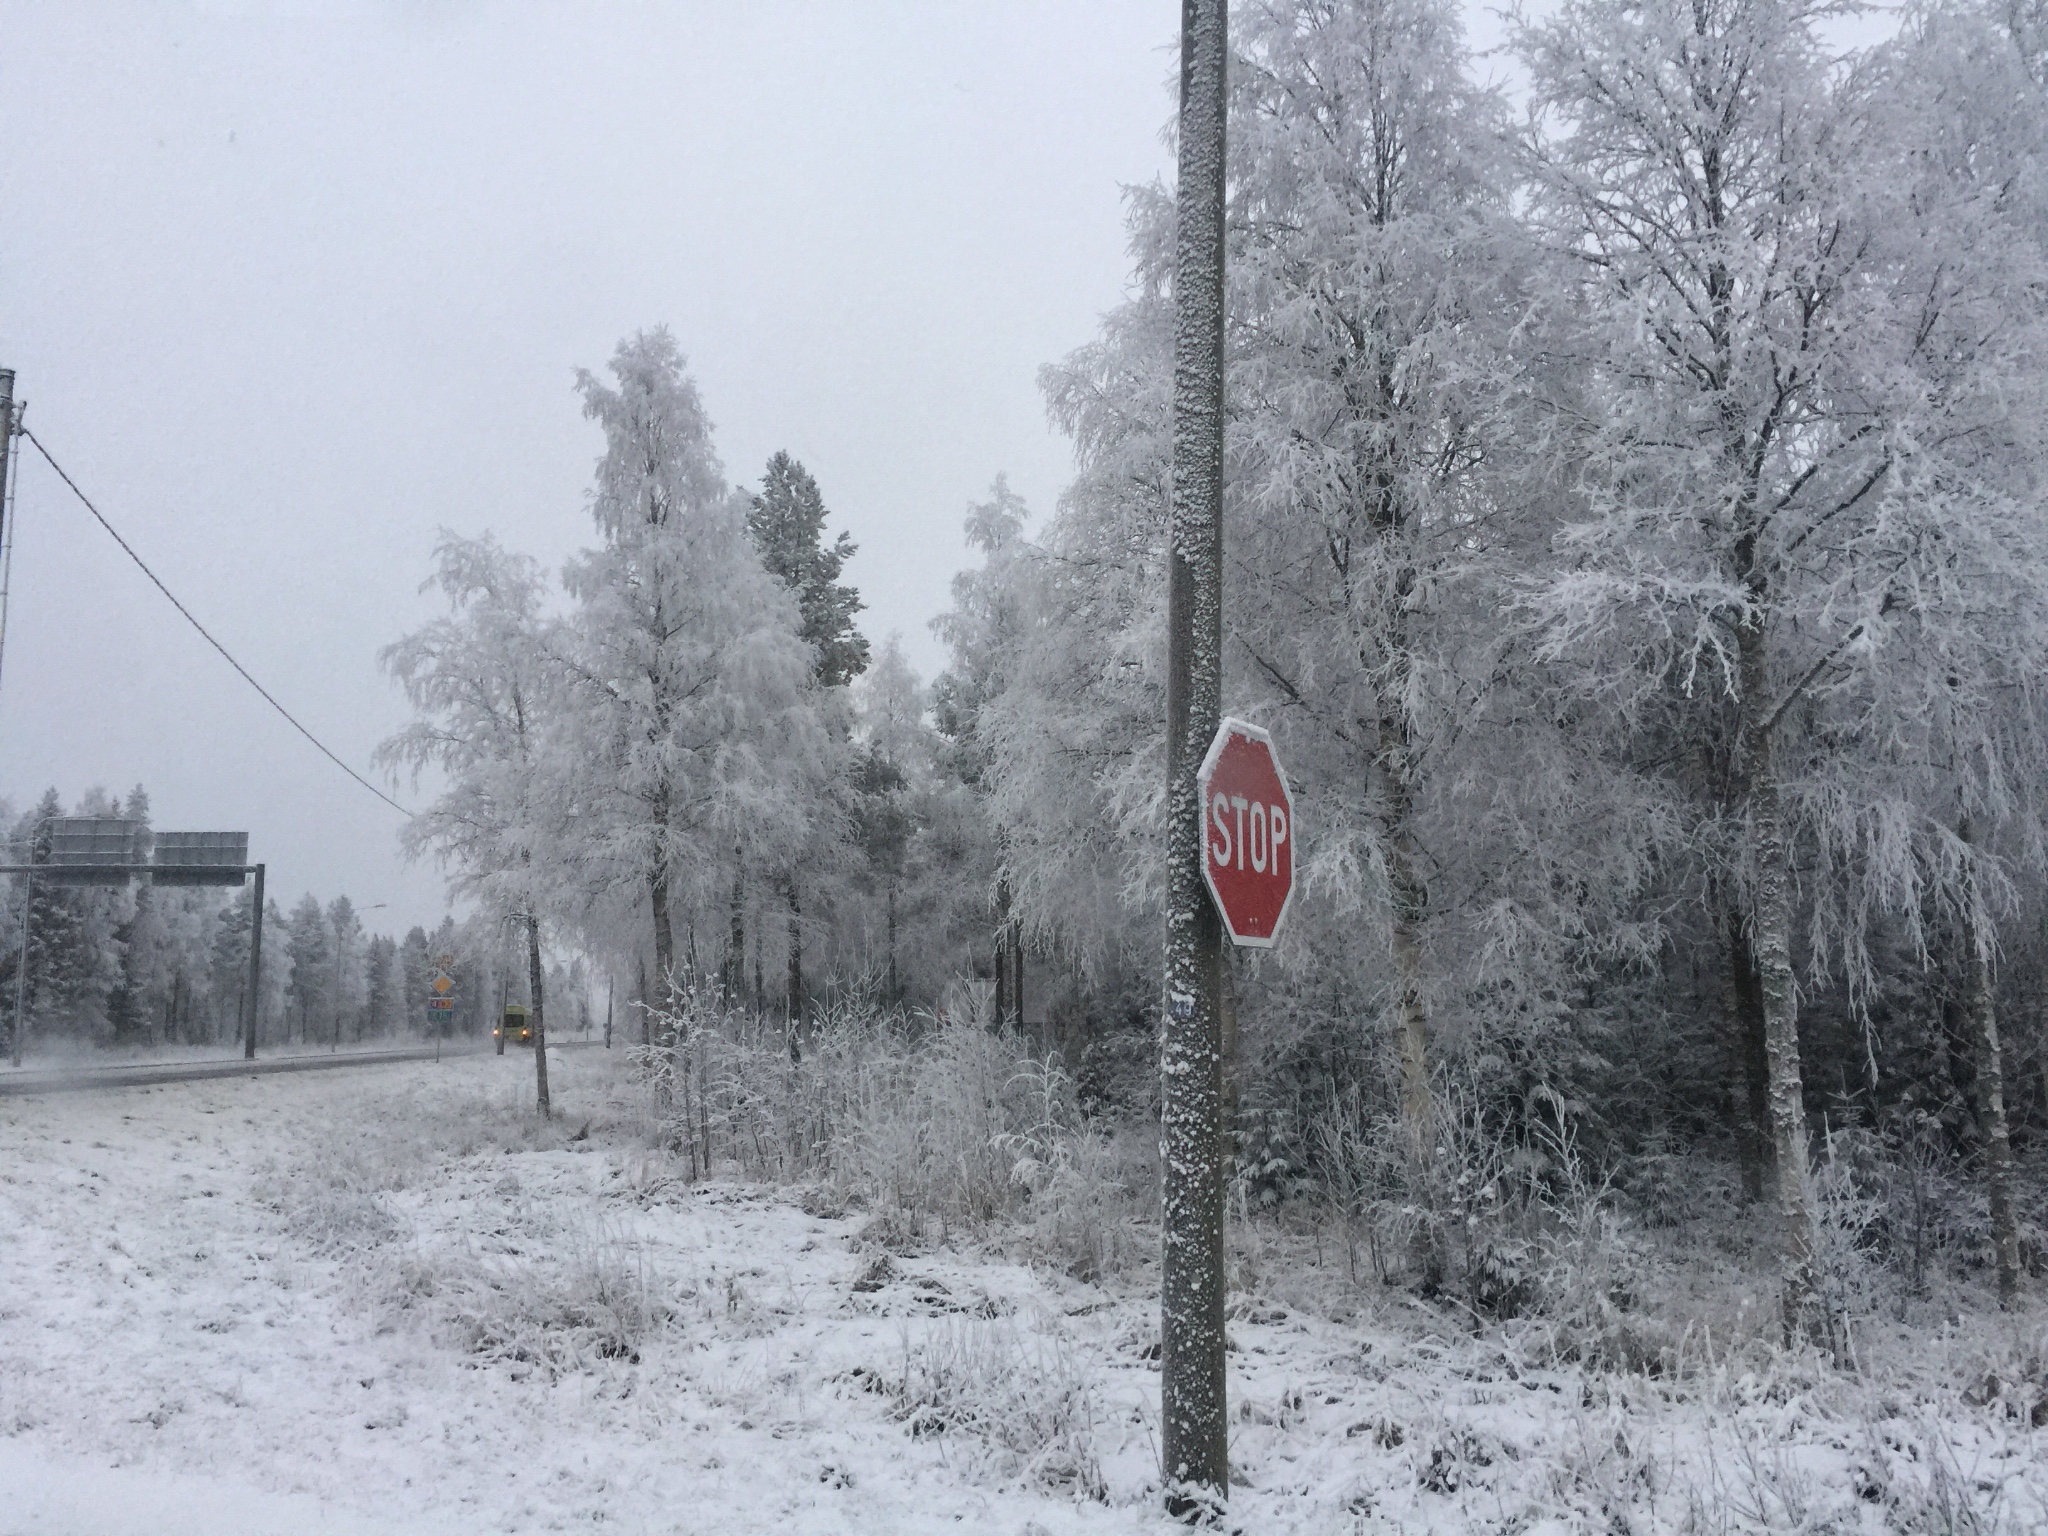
{"x": 1981, "y": 1003}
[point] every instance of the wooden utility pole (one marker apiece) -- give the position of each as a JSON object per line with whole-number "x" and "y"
{"x": 1194, "y": 1437}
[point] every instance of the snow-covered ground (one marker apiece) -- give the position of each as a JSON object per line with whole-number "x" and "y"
{"x": 391, "y": 1301}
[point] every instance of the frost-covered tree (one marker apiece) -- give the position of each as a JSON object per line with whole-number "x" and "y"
{"x": 381, "y": 986}
{"x": 1374, "y": 388}
{"x": 346, "y": 1003}
{"x": 228, "y": 962}
{"x": 415, "y": 976}
{"x": 694, "y": 723}
{"x": 1379, "y": 488}
{"x": 489, "y": 698}
{"x": 1786, "y": 377}
{"x": 309, "y": 957}
{"x": 893, "y": 778}
{"x": 981, "y": 628}
{"x": 982, "y": 631}
{"x": 787, "y": 523}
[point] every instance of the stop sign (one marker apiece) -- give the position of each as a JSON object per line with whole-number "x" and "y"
{"x": 1248, "y": 833}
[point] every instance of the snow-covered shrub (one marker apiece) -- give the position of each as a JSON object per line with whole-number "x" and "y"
{"x": 1845, "y": 1274}
{"x": 1590, "y": 1273}
{"x": 335, "y": 1203}
{"x": 933, "y": 1121}
{"x": 1358, "y": 1176}
{"x": 1930, "y": 1216}
{"x": 1034, "y": 1403}
{"x": 591, "y": 1296}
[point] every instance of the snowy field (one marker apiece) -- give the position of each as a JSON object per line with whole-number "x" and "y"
{"x": 390, "y": 1301}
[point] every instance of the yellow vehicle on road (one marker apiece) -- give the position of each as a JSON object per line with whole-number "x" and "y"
{"x": 516, "y": 1026}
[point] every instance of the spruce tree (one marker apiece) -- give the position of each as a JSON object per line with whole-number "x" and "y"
{"x": 787, "y": 521}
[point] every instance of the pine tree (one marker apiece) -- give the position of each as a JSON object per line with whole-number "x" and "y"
{"x": 228, "y": 963}
{"x": 309, "y": 954}
{"x": 65, "y": 954}
{"x": 344, "y": 1007}
{"x": 415, "y": 978}
{"x": 380, "y": 983}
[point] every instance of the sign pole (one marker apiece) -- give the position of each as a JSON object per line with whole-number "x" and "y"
{"x": 28, "y": 901}
{"x": 255, "y": 967}
{"x": 1194, "y": 1439}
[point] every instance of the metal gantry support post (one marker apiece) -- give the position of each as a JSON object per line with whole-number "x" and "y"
{"x": 255, "y": 967}
{"x": 28, "y": 898}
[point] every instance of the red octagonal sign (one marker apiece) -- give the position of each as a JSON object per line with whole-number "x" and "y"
{"x": 1248, "y": 842}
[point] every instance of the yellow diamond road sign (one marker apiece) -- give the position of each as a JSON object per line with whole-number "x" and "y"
{"x": 443, "y": 984}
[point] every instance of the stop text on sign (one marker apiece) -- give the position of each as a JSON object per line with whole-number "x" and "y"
{"x": 1262, "y": 834}
{"x": 1248, "y": 833}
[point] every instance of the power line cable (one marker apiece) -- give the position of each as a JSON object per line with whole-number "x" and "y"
{"x": 158, "y": 582}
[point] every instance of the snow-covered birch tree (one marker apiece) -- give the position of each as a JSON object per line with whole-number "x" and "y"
{"x": 694, "y": 726}
{"x": 1774, "y": 446}
{"x": 488, "y": 698}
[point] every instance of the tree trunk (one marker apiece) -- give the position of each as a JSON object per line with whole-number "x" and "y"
{"x": 1002, "y": 956}
{"x": 1002, "y": 968}
{"x": 735, "y": 987}
{"x": 796, "y": 971}
{"x": 1194, "y": 1428}
{"x": 1982, "y": 1003}
{"x": 1772, "y": 940}
{"x": 895, "y": 990}
{"x": 1751, "y": 1061}
{"x": 640, "y": 991}
{"x": 664, "y": 949}
{"x": 1408, "y": 904}
{"x": 540, "y": 1031}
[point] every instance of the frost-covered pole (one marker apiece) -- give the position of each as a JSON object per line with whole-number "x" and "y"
{"x": 1194, "y": 1441}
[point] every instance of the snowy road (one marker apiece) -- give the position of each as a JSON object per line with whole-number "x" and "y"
{"x": 73, "y": 1079}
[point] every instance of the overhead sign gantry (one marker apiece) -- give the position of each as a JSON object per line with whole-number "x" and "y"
{"x": 112, "y": 850}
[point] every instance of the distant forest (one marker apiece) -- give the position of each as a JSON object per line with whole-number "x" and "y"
{"x": 139, "y": 967}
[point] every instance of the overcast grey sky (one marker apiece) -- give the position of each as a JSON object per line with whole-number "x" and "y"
{"x": 287, "y": 286}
